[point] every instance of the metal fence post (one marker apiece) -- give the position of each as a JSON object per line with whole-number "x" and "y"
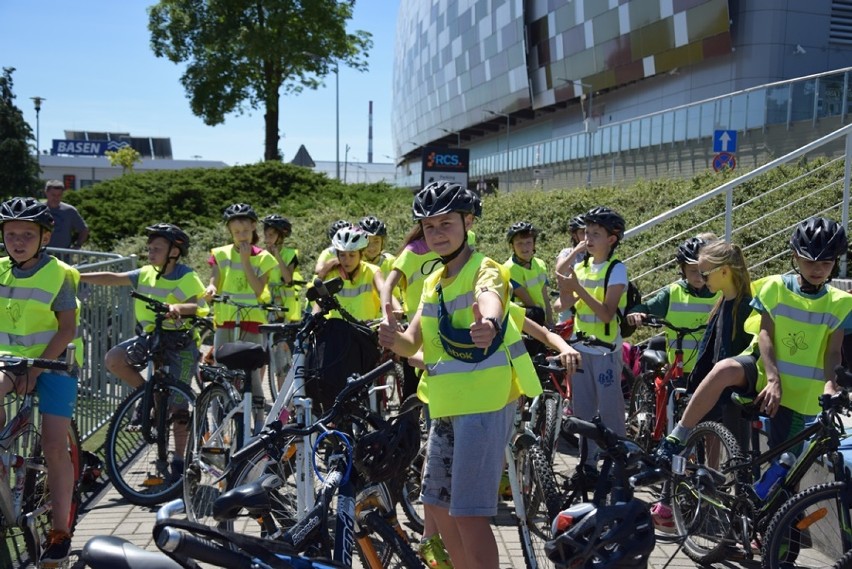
{"x": 844, "y": 206}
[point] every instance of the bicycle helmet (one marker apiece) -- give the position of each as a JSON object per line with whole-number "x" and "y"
{"x": 26, "y": 209}
{"x": 687, "y": 252}
{"x": 521, "y": 227}
{"x": 477, "y": 203}
{"x": 380, "y": 455}
{"x": 620, "y": 536}
{"x": 336, "y": 226}
{"x": 372, "y": 226}
{"x": 171, "y": 233}
{"x": 443, "y": 197}
{"x": 278, "y": 222}
{"x": 576, "y": 223}
{"x": 239, "y": 210}
{"x": 607, "y": 218}
{"x": 819, "y": 239}
{"x": 349, "y": 239}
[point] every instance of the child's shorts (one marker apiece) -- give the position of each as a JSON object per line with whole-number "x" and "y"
{"x": 464, "y": 462}
{"x": 57, "y": 393}
{"x": 183, "y": 364}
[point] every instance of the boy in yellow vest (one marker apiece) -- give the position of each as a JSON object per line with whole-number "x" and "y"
{"x": 476, "y": 367}
{"x": 327, "y": 259}
{"x": 529, "y": 273}
{"x": 39, "y": 295}
{"x": 276, "y": 229}
{"x": 597, "y": 389}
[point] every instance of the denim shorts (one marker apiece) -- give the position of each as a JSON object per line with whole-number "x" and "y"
{"x": 465, "y": 457}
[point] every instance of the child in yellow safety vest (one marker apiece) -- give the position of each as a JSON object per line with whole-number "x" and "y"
{"x": 476, "y": 368}
{"x": 41, "y": 313}
{"x": 327, "y": 259}
{"x": 276, "y": 229}
{"x": 529, "y": 273}
{"x": 569, "y": 257}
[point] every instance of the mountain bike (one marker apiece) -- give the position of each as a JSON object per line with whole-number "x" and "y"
{"x": 146, "y": 437}
{"x": 25, "y": 508}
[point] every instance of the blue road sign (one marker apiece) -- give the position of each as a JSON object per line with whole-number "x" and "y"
{"x": 724, "y": 141}
{"x": 724, "y": 161}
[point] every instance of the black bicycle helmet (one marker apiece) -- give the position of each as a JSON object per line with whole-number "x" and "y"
{"x": 372, "y": 226}
{"x": 576, "y": 223}
{"x": 171, "y": 233}
{"x": 607, "y": 218}
{"x": 521, "y": 227}
{"x": 278, "y": 222}
{"x": 238, "y": 210}
{"x": 819, "y": 239}
{"x": 336, "y": 226}
{"x": 27, "y": 209}
{"x": 443, "y": 197}
{"x": 687, "y": 252}
{"x": 477, "y": 203}
{"x": 380, "y": 455}
{"x": 620, "y": 536}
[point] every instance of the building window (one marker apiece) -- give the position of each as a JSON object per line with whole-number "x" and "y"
{"x": 840, "y": 30}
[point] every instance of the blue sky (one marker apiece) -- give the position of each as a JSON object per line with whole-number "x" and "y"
{"x": 91, "y": 61}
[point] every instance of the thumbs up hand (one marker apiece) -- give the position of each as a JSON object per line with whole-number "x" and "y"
{"x": 389, "y": 328}
{"x": 482, "y": 331}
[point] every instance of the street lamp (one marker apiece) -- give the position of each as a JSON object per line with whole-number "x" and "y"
{"x": 456, "y": 132}
{"x": 587, "y": 123}
{"x": 37, "y": 101}
{"x": 508, "y": 179}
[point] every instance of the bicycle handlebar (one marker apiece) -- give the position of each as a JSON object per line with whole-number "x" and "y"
{"x": 653, "y": 321}
{"x": 226, "y": 299}
{"x": 183, "y": 544}
{"x": 591, "y": 340}
{"x": 17, "y": 364}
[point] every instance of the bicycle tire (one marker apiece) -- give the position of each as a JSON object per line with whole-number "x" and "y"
{"x": 707, "y": 527}
{"x": 129, "y": 458}
{"x": 807, "y": 530}
{"x": 392, "y": 550}
{"x": 844, "y": 562}
{"x": 409, "y": 498}
{"x": 541, "y": 501}
{"x": 209, "y": 447}
{"x": 36, "y": 490}
{"x": 641, "y": 413}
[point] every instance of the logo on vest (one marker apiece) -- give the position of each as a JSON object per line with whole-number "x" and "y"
{"x": 14, "y": 311}
{"x": 457, "y": 354}
{"x": 795, "y": 341}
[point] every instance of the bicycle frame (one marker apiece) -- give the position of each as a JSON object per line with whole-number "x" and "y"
{"x": 11, "y": 500}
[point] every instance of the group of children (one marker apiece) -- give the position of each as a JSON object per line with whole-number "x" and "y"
{"x": 465, "y": 314}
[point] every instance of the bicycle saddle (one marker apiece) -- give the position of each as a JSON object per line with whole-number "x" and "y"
{"x": 247, "y": 356}
{"x": 657, "y": 343}
{"x": 654, "y": 359}
{"x": 254, "y": 497}
{"x": 111, "y": 552}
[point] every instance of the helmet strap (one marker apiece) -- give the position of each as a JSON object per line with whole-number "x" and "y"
{"x": 804, "y": 284}
{"x": 446, "y": 260}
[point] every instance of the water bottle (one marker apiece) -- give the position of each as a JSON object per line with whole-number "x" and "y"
{"x": 773, "y": 475}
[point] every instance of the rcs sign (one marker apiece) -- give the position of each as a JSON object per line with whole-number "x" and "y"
{"x": 441, "y": 163}
{"x": 444, "y": 160}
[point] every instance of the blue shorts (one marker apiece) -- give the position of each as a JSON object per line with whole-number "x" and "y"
{"x": 57, "y": 393}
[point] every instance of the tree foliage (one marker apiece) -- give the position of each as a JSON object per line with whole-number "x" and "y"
{"x": 239, "y": 54}
{"x": 19, "y": 169}
{"x": 127, "y": 157}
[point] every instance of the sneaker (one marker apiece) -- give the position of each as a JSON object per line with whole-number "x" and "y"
{"x": 57, "y": 549}
{"x": 663, "y": 518}
{"x": 668, "y": 447}
{"x": 434, "y": 553}
{"x": 135, "y": 424}
{"x": 505, "y": 490}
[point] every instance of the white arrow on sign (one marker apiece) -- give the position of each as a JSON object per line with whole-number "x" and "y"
{"x": 725, "y": 138}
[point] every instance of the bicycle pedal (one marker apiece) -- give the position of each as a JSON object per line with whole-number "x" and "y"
{"x": 153, "y": 481}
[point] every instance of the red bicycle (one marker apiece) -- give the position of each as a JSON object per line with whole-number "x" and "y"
{"x": 659, "y": 394}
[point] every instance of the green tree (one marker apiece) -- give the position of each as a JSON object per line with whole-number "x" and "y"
{"x": 127, "y": 157}
{"x": 19, "y": 169}
{"x": 241, "y": 53}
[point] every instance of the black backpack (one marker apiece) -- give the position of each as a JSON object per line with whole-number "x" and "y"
{"x": 634, "y": 297}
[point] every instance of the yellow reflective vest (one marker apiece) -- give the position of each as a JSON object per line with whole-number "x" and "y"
{"x": 687, "y": 311}
{"x": 233, "y": 282}
{"x": 359, "y": 297}
{"x": 29, "y": 323}
{"x": 803, "y": 327}
{"x": 532, "y": 279}
{"x": 454, "y": 387}
{"x": 285, "y": 295}
{"x": 170, "y": 292}
{"x": 586, "y": 320}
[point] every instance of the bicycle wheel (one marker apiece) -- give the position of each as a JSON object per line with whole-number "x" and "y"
{"x": 546, "y": 428}
{"x": 35, "y": 487}
{"x": 139, "y": 471}
{"x": 844, "y": 562}
{"x": 214, "y": 435}
{"x": 540, "y": 499}
{"x": 700, "y": 497}
{"x": 387, "y": 549}
{"x": 810, "y": 529}
{"x": 641, "y": 413}
{"x": 409, "y": 499}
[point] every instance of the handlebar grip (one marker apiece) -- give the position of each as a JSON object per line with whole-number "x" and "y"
{"x": 599, "y": 433}
{"x": 843, "y": 376}
{"x": 198, "y": 549}
{"x": 356, "y": 383}
{"x": 647, "y": 478}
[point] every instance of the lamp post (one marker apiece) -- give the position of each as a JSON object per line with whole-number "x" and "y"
{"x": 37, "y": 101}
{"x": 508, "y": 140}
{"x": 587, "y": 124}
{"x": 456, "y": 132}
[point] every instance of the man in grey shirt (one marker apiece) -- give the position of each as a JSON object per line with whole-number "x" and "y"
{"x": 71, "y": 231}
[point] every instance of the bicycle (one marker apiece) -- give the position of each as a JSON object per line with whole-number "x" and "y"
{"x": 24, "y": 491}
{"x": 147, "y": 434}
{"x": 659, "y": 394}
{"x": 361, "y": 471}
{"x": 714, "y": 503}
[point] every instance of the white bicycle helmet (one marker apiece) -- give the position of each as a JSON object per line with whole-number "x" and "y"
{"x": 349, "y": 239}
